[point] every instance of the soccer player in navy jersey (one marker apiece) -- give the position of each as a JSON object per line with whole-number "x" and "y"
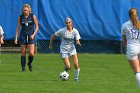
{"x": 28, "y": 24}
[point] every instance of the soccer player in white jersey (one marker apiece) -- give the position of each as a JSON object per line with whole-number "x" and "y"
{"x": 1, "y": 36}
{"x": 67, "y": 47}
{"x": 131, "y": 41}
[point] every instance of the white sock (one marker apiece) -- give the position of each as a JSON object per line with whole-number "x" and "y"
{"x": 137, "y": 76}
{"x": 76, "y": 73}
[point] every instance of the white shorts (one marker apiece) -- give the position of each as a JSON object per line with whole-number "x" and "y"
{"x": 67, "y": 55}
{"x": 133, "y": 52}
{"x": 133, "y": 57}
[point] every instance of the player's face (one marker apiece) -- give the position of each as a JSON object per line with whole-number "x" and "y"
{"x": 68, "y": 23}
{"x": 133, "y": 13}
{"x": 25, "y": 11}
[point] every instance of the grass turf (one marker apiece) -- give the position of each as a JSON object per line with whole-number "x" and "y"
{"x": 100, "y": 73}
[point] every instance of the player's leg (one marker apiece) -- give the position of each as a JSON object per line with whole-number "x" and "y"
{"x": 137, "y": 71}
{"x": 23, "y": 57}
{"x": 31, "y": 55}
{"x": 65, "y": 58}
{"x": 76, "y": 66}
{"x": 135, "y": 65}
{"x": 137, "y": 75}
{"x": 67, "y": 64}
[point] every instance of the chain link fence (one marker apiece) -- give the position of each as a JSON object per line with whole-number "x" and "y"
{"x": 87, "y": 46}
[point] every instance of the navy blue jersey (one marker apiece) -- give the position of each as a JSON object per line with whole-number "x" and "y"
{"x": 27, "y": 25}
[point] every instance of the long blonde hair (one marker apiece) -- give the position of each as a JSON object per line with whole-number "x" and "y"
{"x": 133, "y": 14}
{"x": 26, "y": 5}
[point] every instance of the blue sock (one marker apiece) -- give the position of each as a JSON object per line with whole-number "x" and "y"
{"x": 23, "y": 62}
{"x": 30, "y": 59}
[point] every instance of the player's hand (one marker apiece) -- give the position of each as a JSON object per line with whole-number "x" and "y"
{"x": 32, "y": 37}
{"x": 78, "y": 43}
{"x": 15, "y": 41}
{"x": 50, "y": 46}
{"x": 1, "y": 41}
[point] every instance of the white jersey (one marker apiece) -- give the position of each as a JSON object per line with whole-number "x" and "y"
{"x": 1, "y": 31}
{"x": 133, "y": 39}
{"x": 67, "y": 43}
{"x": 132, "y": 33}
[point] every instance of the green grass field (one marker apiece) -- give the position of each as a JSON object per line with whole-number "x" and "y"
{"x": 100, "y": 73}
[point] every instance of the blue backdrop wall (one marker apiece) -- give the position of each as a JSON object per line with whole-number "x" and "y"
{"x": 94, "y": 19}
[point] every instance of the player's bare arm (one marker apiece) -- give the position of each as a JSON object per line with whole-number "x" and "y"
{"x": 17, "y": 31}
{"x": 51, "y": 41}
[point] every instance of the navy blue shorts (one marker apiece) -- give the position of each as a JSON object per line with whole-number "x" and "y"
{"x": 24, "y": 40}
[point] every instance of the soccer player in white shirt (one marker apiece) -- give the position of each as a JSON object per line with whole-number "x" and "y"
{"x": 1, "y": 36}
{"x": 67, "y": 47}
{"x": 131, "y": 41}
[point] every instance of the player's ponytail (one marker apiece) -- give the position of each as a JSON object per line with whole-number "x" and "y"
{"x": 133, "y": 14}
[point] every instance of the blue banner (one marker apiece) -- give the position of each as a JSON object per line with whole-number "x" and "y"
{"x": 94, "y": 19}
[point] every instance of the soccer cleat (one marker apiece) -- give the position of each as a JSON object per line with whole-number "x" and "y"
{"x": 76, "y": 79}
{"x": 30, "y": 67}
{"x": 23, "y": 69}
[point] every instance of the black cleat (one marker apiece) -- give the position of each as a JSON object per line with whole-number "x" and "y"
{"x": 76, "y": 79}
{"x": 23, "y": 69}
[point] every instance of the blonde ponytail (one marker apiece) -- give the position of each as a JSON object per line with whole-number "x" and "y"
{"x": 133, "y": 14}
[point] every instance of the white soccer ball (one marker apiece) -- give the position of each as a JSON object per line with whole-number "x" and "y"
{"x": 64, "y": 75}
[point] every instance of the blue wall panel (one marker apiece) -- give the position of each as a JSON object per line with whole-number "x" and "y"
{"x": 94, "y": 19}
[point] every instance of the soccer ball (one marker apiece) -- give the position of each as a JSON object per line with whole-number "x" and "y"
{"x": 64, "y": 75}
